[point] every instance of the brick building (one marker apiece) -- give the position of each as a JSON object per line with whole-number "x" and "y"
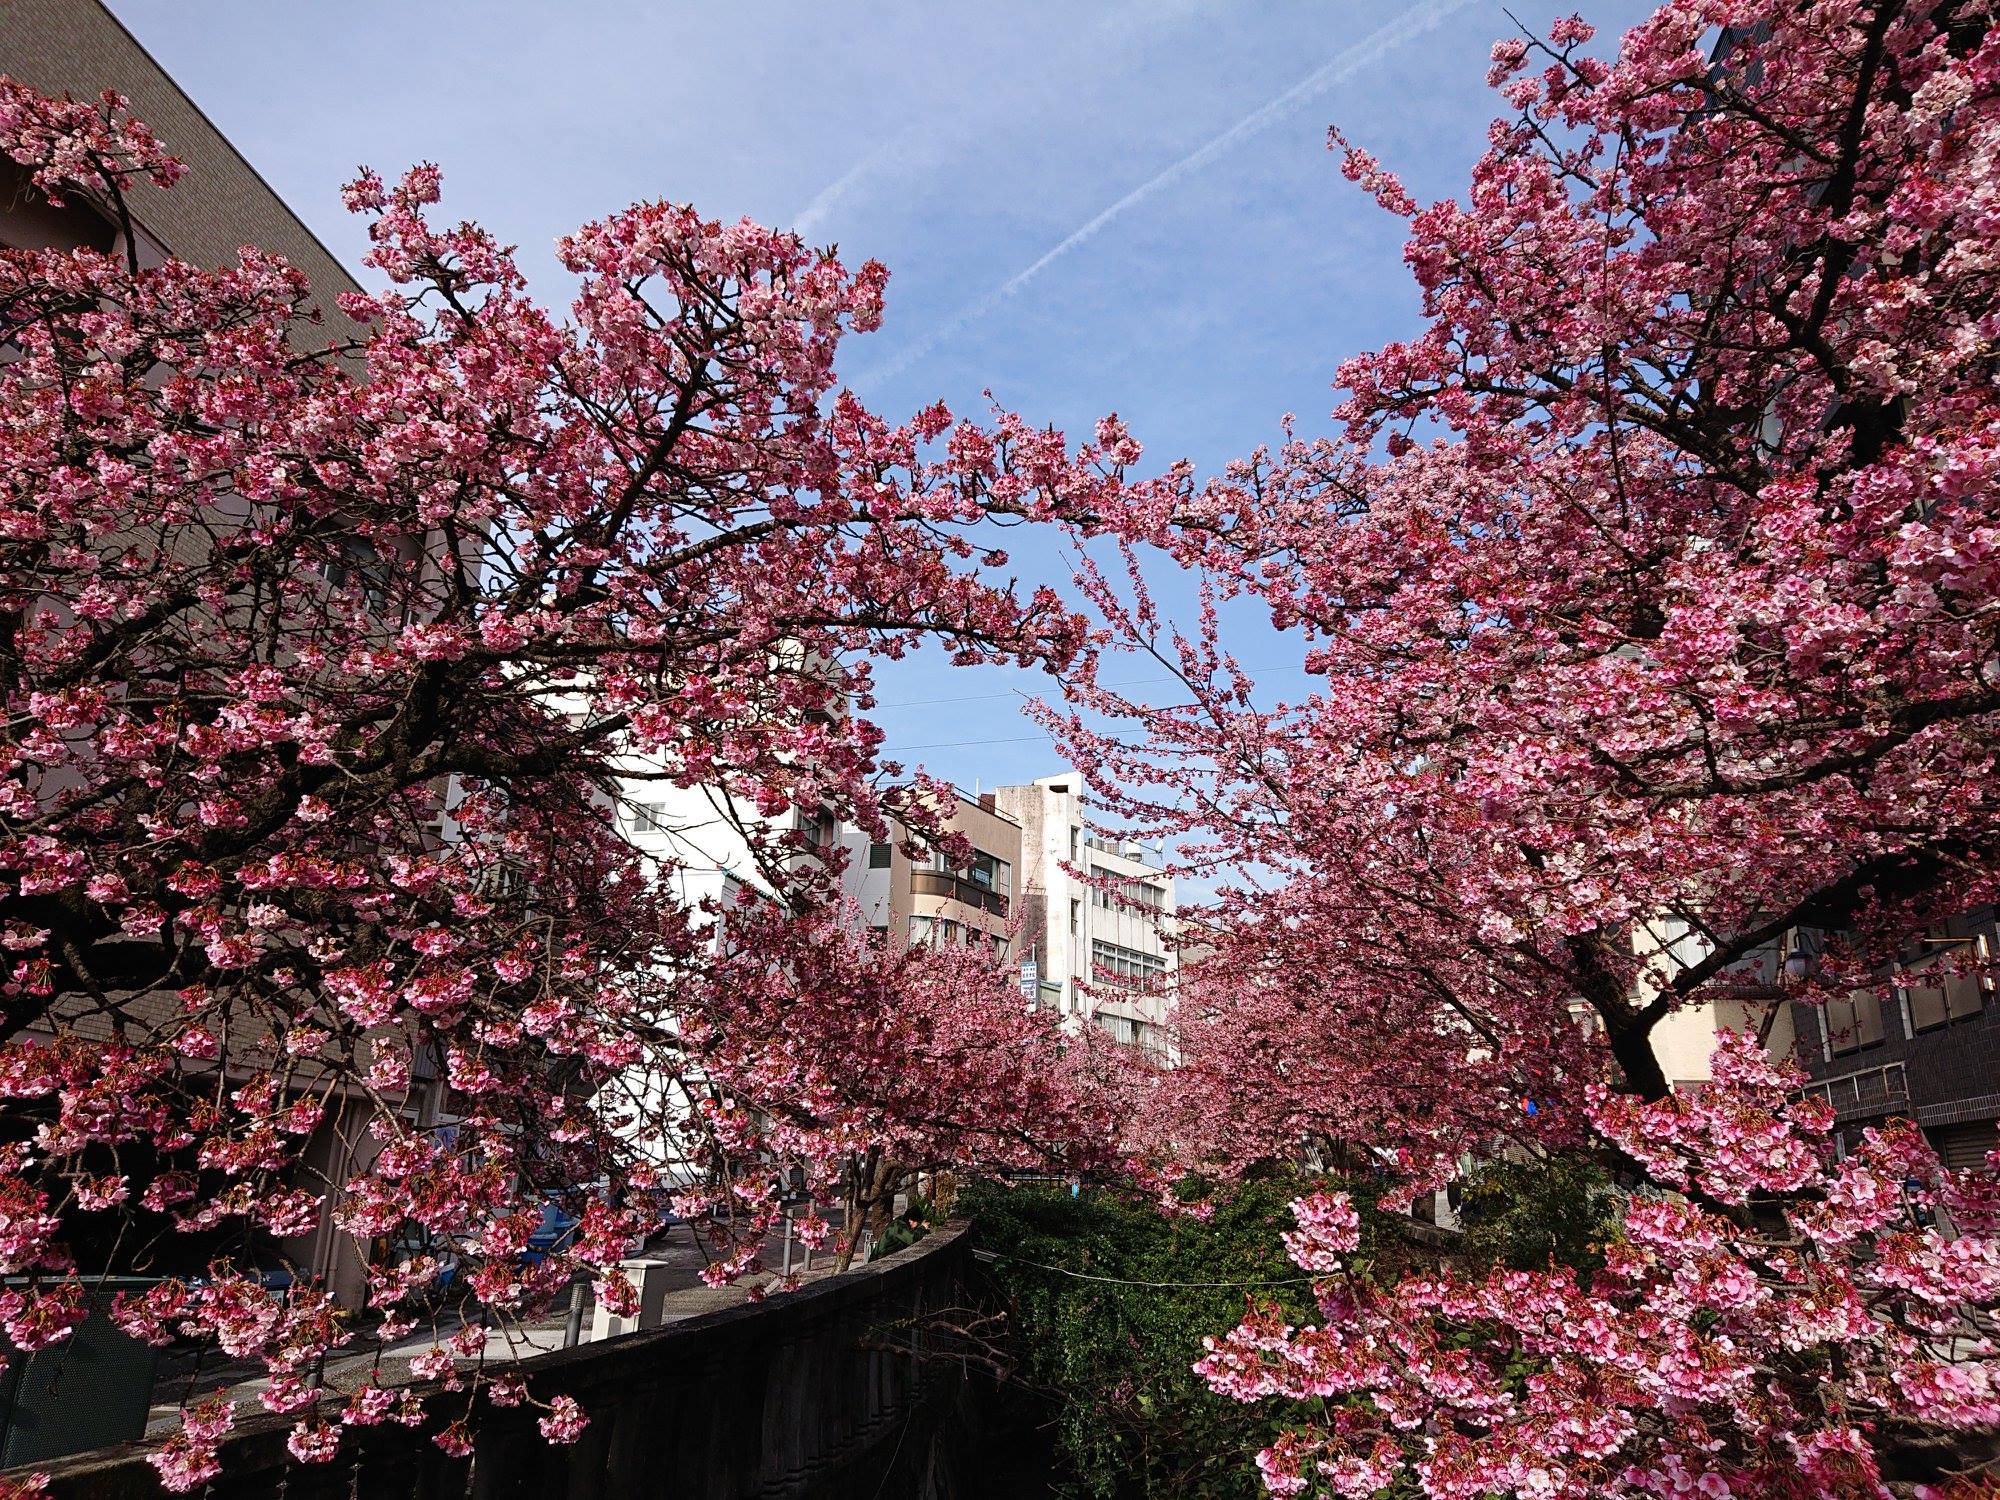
{"x": 77, "y": 47}
{"x": 1926, "y": 1046}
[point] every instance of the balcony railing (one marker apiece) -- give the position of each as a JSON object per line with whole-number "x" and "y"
{"x": 957, "y": 888}
{"x": 1869, "y": 1091}
{"x": 1139, "y": 854}
{"x": 1757, "y": 975}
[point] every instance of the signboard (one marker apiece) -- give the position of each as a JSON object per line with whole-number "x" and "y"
{"x": 1031, "y": 980}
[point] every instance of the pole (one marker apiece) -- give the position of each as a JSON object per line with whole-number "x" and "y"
{"x": 573, "y": 1325}
{"x": 788, "y": 1244}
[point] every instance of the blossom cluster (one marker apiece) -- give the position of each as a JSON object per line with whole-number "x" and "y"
{"x": 331, "y": 621}
{"x": 1715, "y": 1352}
{"x": 1646, "y": 596}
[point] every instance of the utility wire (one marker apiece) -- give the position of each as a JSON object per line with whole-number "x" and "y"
{"x": 989, "y": 1256}
{"x": 1123, "y": 683}
{"x": 1014, "y": 739}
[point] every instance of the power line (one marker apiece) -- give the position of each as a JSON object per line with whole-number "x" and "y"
{"x": 1125, "y": 682}
{"x": 1015, "y": 739}
{"x": 989, "y": 1256}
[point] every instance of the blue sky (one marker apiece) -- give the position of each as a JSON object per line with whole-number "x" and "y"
{"x": 1224, "y": 266}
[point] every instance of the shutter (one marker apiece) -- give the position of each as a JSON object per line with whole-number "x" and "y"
{"x": 1855, "y": 1022}
{"x": 1868, "y": 1017}
{"x": 1927, "y": 1002}
{"x": 1963, "y": 1147}
{"x": 1957, "y": 968}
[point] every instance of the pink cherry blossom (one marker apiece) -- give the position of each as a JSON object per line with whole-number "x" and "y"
{"x": 332, "y": 624}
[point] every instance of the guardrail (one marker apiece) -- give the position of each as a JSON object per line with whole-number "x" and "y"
{"x": 825, "y": 1392}
{"x": 1130, "y": 849}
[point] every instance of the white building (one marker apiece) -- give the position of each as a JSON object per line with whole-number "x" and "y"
{"x": 1089, "y": 920}
{"x": 699, "y": 838}
{"x": 1098, "y": 920}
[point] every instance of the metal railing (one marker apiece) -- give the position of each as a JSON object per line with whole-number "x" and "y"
{"x": 1139, "y": 854}
{"x": 1867, "y": 1091}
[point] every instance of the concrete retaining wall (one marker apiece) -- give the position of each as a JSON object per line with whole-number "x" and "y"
{"x": 834, "y": 1392}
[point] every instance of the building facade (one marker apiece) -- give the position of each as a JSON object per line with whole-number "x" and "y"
{"x": 1749, "y": 997}
{"x": 1087, "y": 922}
{"x": 1920, "y": 1042}
{"x": 929, "y": 901}
{"x": 1098, "y": 920}
{"x": 1923, "y": 1045}
{"x": 78, "y": 48}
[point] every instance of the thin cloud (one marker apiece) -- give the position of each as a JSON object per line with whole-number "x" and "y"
{"x": 1336, "y": 70}
{"x": 925, "y": 140}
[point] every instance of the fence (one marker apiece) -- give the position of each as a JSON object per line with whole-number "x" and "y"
{"x": 833, "y": 1392}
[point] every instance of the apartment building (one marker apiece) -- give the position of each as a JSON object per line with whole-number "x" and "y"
{"x": 78, "y": 47}
{"x": 701, "y": 839}
{"x": 1921, "y": 1042}
{"x": 1748, "y": 997}
{"x": 1088, "y": 920}
{"x": 929, "y": 900}
{"x": 1098, "y": 918}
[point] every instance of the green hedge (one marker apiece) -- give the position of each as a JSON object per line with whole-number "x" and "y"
{"x": 1113, "y": 1358}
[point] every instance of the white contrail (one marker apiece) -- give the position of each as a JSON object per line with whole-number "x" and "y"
{"x": 807, "y": 221}
{"x": 923, "y": 140}
{"x": 1337, "y": 69}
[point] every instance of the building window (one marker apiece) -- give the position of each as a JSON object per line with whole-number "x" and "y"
{"x": 1956, "y": 969}
{"x": 820, "y": 828}
{"x": 360, "y": 566}
{"x": 878, "y": 856}
{"x": 1123, "y": 894}
{"x": 920, "y": 931}
{"x": 1851, "y": 1024}
{"x": 1099, "y": 896}
{"x": 1075, "y": 917}
{"x": 648, "y": 817}
{"x": 1124, "y": 1030}
{"x": 1128, "y": 967}
{"x": 991, "y": 874}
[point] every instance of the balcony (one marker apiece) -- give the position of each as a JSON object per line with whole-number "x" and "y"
{"x": 1868, "y": 1091}
{"x": 1758, "y": 975}
{"x": 957, "y": 888}
{"x": 1138, "y": 853}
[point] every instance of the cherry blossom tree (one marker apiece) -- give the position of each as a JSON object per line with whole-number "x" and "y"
{"x": 1650, "y": 591}
{"x": 323, "y": 639}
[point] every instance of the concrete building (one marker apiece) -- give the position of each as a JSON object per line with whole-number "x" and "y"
{"x": 77, "y": 47}
{"x": 927, "y": 900}
{"x": 1097, "y": 944}
{"x": 1098, "y": 916}
{"x": 1748, "y": 997}
{"x": 701, "y": 838}
{"x": 1922, "y": 1042}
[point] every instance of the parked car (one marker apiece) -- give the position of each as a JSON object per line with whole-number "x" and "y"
{"x": 549, "y": 1236}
